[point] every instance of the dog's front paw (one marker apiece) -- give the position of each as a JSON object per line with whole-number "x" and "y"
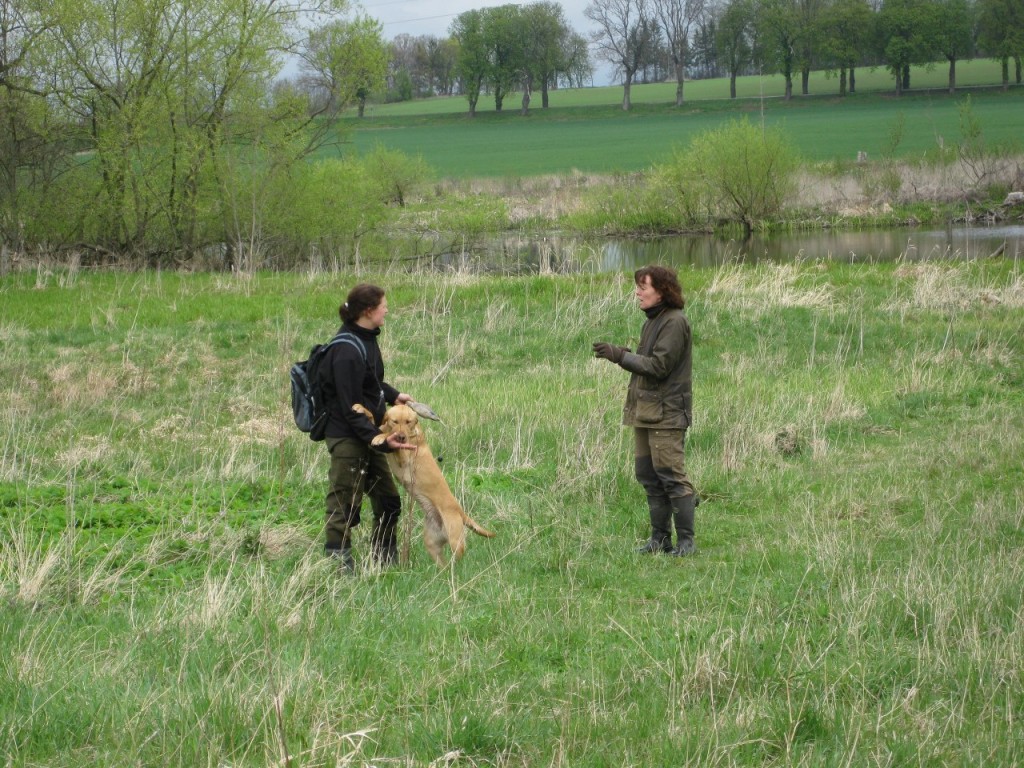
{"x": 358, "y": 408}
{"x": 378, "y": 441}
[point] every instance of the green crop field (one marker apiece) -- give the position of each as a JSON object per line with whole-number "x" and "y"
{"x": 856, "y": 600}
{"x": 586, "y": 131}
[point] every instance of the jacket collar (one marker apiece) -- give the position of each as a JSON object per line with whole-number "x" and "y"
{"x": 365, "y": 333}
{"x": 653, "y": 312}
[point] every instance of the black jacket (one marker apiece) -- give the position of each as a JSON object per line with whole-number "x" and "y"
{"x": 346, "y": 379}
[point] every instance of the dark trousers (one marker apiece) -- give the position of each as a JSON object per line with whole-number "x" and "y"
{"x": 660, "y": 461}
{"x": 357, "y": 470}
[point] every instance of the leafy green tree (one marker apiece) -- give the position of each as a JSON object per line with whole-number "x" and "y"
{"x": 168, "y": 93}
{"x": 812, "y": 15}
{"x": 503, "y": 36}
{"x": 34, "y": 146}
{"x": 402, "y": 89}
{"x": 782, "y": 31}
{"x": 393, "y": 175}
{"x": 320, "y": 211}
{"x": 905, "y": 30}
{"x": 344, "y": 62}
{"x": 846, "y": 32}
{"x": 23, "y": 24}
{"x": 734, "y": 39}
{"x": 472, "y": 62}
{"x": 739, "y": 172}
{"x": 117, "y": 72}
{"x": 953, "y": 33}
{"x": 1001, "y": 33}
{"x": 545, "y": 33}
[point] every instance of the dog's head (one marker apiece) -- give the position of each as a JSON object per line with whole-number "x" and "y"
{"x": 402, "y": 421}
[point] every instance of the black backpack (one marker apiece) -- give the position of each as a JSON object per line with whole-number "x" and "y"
{"x": 308, "y": 405}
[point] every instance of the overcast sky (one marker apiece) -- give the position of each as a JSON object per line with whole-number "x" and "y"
{"x": 434, "y": 17}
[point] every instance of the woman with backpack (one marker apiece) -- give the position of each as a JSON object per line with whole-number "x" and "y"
{"x": 353, "y": 372}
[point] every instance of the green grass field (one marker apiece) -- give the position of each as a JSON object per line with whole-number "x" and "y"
{"x": 617, "y": 142}
{"x": 856, "y": 599}
{"x": 586, "y": 131}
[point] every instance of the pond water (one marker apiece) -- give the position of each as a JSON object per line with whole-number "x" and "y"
{"x": 560, "y": 253}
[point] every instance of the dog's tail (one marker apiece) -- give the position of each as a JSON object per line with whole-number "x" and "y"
{"x": 476, "y": 528}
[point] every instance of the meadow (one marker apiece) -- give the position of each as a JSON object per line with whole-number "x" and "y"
{"x": 586, "y": 131}
{"x": 855, "y": 601}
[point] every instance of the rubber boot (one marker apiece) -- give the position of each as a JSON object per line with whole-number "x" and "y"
{"x": 683, "y": 511}
{"x": 342, "y": 552}
{"x": 338, "y": 525}
{"x": 661, "y": 526}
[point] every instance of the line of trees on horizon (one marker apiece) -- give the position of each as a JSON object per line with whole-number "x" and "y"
{"x": 531, "y": 47}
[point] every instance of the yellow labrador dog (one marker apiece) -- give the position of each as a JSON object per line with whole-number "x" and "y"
{"x": 417, "y": 471}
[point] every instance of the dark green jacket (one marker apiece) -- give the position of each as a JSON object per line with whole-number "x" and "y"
{"x": 659, "y": 394}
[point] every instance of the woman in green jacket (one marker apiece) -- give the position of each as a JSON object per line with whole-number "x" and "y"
{"x": 658, "y": 407}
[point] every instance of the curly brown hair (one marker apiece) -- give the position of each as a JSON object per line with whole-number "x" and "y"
{"x": 665, "y": 282}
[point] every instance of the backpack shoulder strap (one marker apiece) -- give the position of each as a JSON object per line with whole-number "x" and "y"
{"x": 346, "y": 337}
